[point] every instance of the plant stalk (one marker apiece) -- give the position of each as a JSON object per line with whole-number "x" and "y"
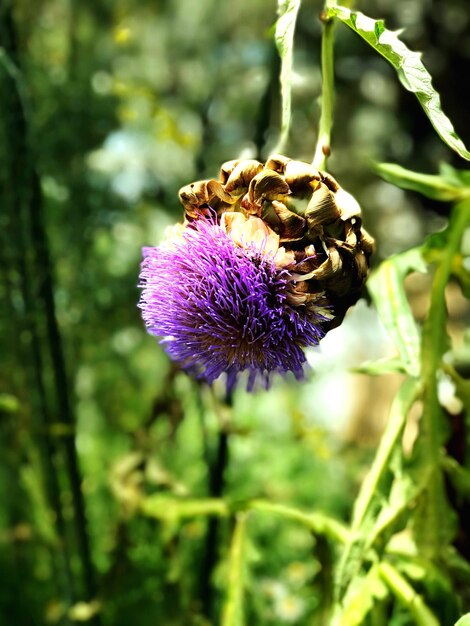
{"x": 216, "y": 487}
{"x": 323, "y": 147}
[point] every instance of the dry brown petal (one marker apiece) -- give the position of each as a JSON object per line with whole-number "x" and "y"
{"x": 194, "y": 194}
{"x": 292, "y": 226}
{"x": 329, "y": 181}
{"x": 321, "y": 209}
{"x": 227, "y": 168}
{"x": 215, "y": 188}
{"x": 277, "y": 162}
{"x": 241, "y": 176}
{"x": 367, "y": 242}
{"x": 267, "y": 185}
{"x": 301, "y": 178}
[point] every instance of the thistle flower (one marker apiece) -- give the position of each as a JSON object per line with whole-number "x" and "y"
{"x": 267, "y": 260}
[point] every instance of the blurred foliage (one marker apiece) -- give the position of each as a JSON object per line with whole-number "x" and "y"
{"x": 106, "y": 109}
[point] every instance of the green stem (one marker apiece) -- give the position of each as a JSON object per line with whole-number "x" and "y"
{"x": 368, "y": 501}
{"x": 322, "y": 150}
{"x": 316, "y": 522}
{"x": 233, "y": 609}
{"x": 402, "y": 403}
{"x": 434, "y": 344}
{"x": 434, "y": 331}
{"x": 216, "y": 470}
{"x": 407, "y": 596}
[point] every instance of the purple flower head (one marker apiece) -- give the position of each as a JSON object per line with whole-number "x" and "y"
{"x": 221, "y": 307}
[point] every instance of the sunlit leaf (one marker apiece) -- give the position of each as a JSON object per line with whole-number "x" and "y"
{"x": 409, "y": 67}
{"x": 386, "y": 286}
{"x": 464, "y": 620}
{"x": 431, "y": 186}
{"x": 284, "y": 36}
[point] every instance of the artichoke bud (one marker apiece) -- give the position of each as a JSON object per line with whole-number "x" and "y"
{"x": 317, "y": 223}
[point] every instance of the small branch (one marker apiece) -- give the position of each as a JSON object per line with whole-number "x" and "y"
{"x": 323, "y": 149}
{"x": 407, "y": 596}
{"x": 317, "y": 522}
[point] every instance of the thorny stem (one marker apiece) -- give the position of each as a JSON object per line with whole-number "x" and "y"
{"x": 322, "y": 150}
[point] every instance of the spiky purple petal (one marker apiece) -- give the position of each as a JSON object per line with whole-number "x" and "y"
{"x": 221, "y": 308}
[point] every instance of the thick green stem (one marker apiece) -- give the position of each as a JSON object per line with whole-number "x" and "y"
{"x": 322, "y": 150}
{"x": 433, "y": 347}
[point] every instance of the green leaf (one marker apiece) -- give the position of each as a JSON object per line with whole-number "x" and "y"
{"x": 431, "y": 186}
{"x": 284, "y": 37}
{"x": 360, "y": 599}
{"x": 464, "y": 620}
{"x": 386, "y": 286}
{"x": 410, "y": 69}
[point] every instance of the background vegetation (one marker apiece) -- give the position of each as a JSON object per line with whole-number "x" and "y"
{"x": 112, "y": 461}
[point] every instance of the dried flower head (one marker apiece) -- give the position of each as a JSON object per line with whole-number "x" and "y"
{"x": 267, "y": 260}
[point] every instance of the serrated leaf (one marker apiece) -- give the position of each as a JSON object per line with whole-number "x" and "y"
{"x": 284, "y": 37}
{"x": 386, "y": 286}
{"x": 409, "y": 67}
{"x": 431, "y": 186}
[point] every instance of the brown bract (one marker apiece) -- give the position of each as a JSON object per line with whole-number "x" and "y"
{"x": 316, "y": 220}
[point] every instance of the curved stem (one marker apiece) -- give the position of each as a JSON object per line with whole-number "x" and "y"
{"x": 322, "y": 150}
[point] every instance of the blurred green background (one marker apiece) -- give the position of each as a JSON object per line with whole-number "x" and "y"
{"x": 106, "y": 109}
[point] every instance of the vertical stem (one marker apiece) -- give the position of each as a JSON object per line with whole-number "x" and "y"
{"x": 324, "y": 580}
{"x": 322, "y": 150}
{"x": 433, "y": 348}
{"x": 16, "y": 198}
{"x": 40, "y": 257}
{"x": 233, "y": 609}
{"x": 216, "y": 488}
